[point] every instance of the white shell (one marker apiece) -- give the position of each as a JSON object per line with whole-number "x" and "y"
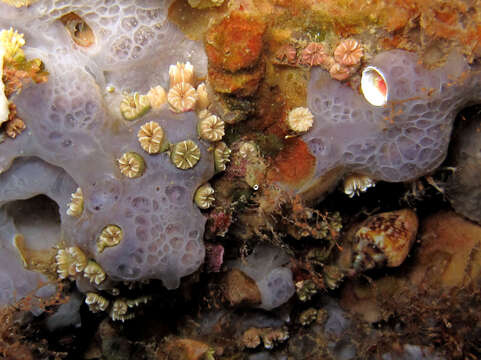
{"x": 371, "y": 78}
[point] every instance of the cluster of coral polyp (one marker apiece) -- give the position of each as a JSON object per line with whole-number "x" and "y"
{"x": 123, "y": 177}
{"x": 124, "y": 136}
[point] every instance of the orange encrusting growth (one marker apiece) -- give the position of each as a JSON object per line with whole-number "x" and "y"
{"x": 293, "y": 165}
{"x": 235, "y": 43}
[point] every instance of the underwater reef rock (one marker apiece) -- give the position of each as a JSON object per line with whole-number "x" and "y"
{"x": 240, "y": 289}
{"x": 180, "y": 150}
{"x": 464, "y": 186}
{"x": 273, "y": 280}
{"x": 448, "y": 255}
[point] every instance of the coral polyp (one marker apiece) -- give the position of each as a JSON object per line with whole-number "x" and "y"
{"x": 11, "y": 43}
{"x": 182, "y": 97}
{"x": 339, "y": 72}
{"x": 313, "y": 54}
{"x": 110, "y": 236}
{"x": 203, "y": 101}
{"x": 151, "y": 137}
{"x": 181, "y": 73}
{"x": 221, "y": 156}
{"x": 300, "y": 119}
{"x": 131, "y": 164}
{"x": 15, "y": 127}
{"x": 157, "y": 97}
{"x": 185, "y": 154}
{"x": 355, "y": 184}
{"x": 76, "y": 205}
{"x": 134, "y": 106}
{"x": 210, "y": 127}
{"x": 96, "y": 302}
{"x": 349, "y": 52}
{"x": 94, "y": 273}
{"x": 204, "y": 196}
{"x": 70, "y": 261}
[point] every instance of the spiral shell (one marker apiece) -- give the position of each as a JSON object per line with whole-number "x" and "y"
{"x": 384, "y": 239}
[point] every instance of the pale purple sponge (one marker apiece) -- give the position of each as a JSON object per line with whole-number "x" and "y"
{"x": 401, "y": 141}
{"x": 75, "y": 124}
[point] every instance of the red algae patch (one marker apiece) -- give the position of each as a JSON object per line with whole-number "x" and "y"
{"x": 235, "y": 43}
{"x": 294, "y": 164}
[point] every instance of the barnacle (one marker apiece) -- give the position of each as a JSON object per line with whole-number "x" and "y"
{"x": 203, "y": 101}
{"x": 210, "y": 127}
{"x": 204, "y": 196}
{"x": 134, "y": 106}
{"x": 355, "y": 184}
{"x": 313, "y": 54}
{"x": 76, "y": 205}
{"x": 110, "y": 236}
{"x": 78, "y": 29}
{"x": 300, "y": 119}
{"x": 96, "y": 302}
{"x": 94, "y": 273}
{"x": 339, "y": 72}
{"x": 157, "y": 97}
{"x": 151, "y": 137}
{"x": 181, "y": 73}
{"x": 348, "y": 52}
{"x": 70, "y": 261}
{"x": 185, "y": 154}
{"x": 15, "y": 127}
{"x": 131, "y": 164}
{"x": 182, "y": 97}
{"x": 11, "y": 42}
{"x": 221, "y": 156}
